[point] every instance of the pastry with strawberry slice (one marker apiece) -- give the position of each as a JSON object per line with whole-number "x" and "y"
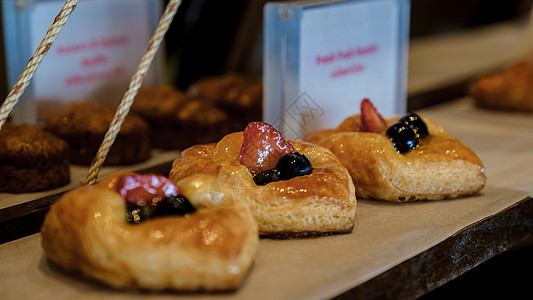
{"x": 402, "y": 158}
{"x": 143, "y": 232}
{"x": 293, "y": 188}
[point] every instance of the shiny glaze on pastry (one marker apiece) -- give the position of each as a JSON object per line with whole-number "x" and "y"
{"x": 211, "y": 249}
{"x": 440, "y": 167}
{"x": 322, "y": 202}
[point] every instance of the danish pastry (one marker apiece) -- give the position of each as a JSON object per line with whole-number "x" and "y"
{"x": 143, "y": 231}
{"x": 511, "y": 89}
{"x": 404, "y": 159}
{"x": 293, "y": 188}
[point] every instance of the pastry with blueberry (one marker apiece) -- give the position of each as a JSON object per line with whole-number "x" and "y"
{"x": 293, "y": 188}
{"x": 403, "y": 158}
{"x": 133, "y": 231}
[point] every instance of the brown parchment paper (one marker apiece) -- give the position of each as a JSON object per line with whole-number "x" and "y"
{"x": 385, "y": 234}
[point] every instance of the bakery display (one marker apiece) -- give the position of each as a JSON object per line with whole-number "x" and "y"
{"x": 402, "y": 159}
{"x": 511, "y": 89}
{"x": 179, "y": 121}
{"x": 32, "y": 160}
{"x": 293, "y": 188}
{"x": 198, "y": 229}
{"x": 144, "y": 232}
{"x": 84, "y": 124}
{"x": 212, "y": 107}
{"x": 240, "y": 96}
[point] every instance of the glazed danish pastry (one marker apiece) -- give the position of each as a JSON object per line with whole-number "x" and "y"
{"x": 100, "y": 232}
{"x": 319, "y": 200}
{"x": 402, "y": 159}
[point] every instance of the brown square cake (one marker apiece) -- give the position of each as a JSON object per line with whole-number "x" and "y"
{"x": 31, "y": 159}
{"x": 84, "y": 124}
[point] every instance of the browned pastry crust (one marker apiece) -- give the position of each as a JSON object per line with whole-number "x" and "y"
{"x": 322, "y": 202}
{"x": 211, "y": 249}
{"x": 84, "y": 124}
{"x": 511, "y": 89}
{"x": 178, "y": 121}
{"x": 440, "y": 167}
{"x": 31, "y": 160}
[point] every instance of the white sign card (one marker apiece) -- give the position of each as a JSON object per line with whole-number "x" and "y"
{"x": 94, "y": 56}
{"x": 321, "y": 58}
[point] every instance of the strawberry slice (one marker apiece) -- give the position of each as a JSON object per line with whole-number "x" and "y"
{"x": 145, "y": 188}
{"x": 262, "y": 147}
{"x": 371, "y": 120}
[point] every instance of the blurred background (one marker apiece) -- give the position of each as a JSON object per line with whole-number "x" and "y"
{"x": 227, "y": 36}
{"x": 213, "y": 37}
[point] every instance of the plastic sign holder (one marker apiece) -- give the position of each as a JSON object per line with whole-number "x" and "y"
{"x": 93, "y": 57}
{"x": 321, "y": 58}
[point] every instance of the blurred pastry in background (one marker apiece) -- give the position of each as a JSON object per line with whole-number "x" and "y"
{"x": 84, "y": 124}
{"x": 179, "y": 121}
{"x": 31, "y": 159}
{"x": 240, "y": 96}
{"x": 510, "y": 89}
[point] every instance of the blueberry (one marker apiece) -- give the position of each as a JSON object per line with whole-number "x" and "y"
{"x": 267, "y": 176}
{"x": 136, "y": 214}
{"x": 404, "y": 138}
{"x": 415, "y": 122}
{"x": 174, "y": 205}
{"x": 288, "y": 166}
{"x": 294, "y": 164}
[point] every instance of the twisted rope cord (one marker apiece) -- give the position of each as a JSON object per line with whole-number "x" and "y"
{"x": 24, "y": 79}
{"x": 132, "y": 90}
